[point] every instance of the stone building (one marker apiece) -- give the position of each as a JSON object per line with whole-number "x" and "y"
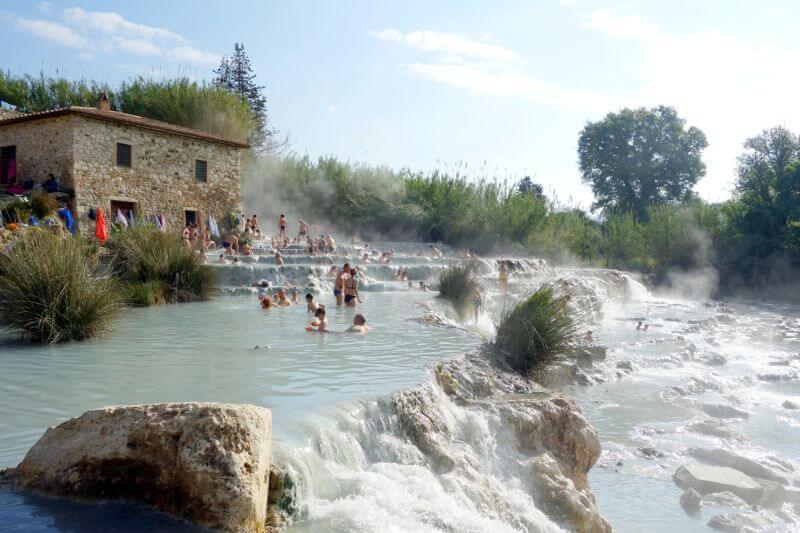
{"x": 119, "y": 161}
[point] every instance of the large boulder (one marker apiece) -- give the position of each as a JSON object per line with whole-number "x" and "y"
{"x": 707, "y": 479}
{"x": 208, "y": 463}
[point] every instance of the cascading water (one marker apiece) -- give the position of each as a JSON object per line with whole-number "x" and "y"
{"x": 395, "y": 431}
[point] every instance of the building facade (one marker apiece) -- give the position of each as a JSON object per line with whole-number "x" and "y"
{"x": 122, "y": 162}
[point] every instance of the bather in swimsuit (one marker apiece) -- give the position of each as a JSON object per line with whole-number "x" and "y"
{"x": 348, "y": 298}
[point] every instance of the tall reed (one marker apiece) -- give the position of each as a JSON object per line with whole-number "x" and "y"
{"x": 50, "y": 291}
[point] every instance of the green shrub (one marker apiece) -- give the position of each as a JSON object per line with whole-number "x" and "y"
{"x": 42, "y": 205}
{"x": 535, "y": 330}
{"x": 143, "y": 294}
{"x": 50, "y": 291}
{"x": 457, "y": 285}
{"x": 143, "y": 254}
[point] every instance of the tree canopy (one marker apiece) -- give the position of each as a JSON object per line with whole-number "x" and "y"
{"x": 637, "y": 158}
{"x": 767, "y": 222}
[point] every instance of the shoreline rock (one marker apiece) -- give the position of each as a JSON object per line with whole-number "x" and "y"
{"x": 205, "y": 462}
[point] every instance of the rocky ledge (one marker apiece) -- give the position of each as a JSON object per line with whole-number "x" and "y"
{"x": 557, "y": 444}
{"x": 204, "y": 462}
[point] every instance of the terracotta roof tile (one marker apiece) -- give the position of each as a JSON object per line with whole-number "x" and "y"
{"x": 128, "y": 119}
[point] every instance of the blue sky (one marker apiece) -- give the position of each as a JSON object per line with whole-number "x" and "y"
{"x": 497, "y": 88}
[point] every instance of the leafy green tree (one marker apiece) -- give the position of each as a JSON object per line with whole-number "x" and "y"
{"x": 767, "y": 184}
{"x": 641, "y": 157}
{"x": 764, "y": 218}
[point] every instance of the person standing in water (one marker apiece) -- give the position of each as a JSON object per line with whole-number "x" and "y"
{"x": 338, "y": 285}
{"x": 304, "y": 227}
{"x": 283, "y": 301}
{"x": 311, "y": 305}
{"x": 351, "y": 296}
{"x": 503, "y": 277}
{"x": 321, "y": 322}
{"x": 477, "y": 302}
{"x": 282, "y": 223}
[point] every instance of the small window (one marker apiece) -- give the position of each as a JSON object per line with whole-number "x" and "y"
{"x": 200, "y": 170}
{"x": 123, "y": 155}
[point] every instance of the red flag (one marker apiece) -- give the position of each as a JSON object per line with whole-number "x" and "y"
{"x": 101, "y": 232}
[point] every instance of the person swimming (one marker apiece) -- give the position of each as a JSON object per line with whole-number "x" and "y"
{"x": 266, "y": 302}
{"x": 359, "y": 324}
{"x": 477, "y": 302}
{"x": 639, "y": 326}
{"x": 351, "y": 297}
{"x": 295, "y": 296}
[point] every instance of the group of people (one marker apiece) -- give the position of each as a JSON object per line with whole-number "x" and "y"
{"x": 345, "y": 292}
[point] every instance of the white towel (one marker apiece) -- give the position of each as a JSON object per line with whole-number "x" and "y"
{"x": 121, "y": 218}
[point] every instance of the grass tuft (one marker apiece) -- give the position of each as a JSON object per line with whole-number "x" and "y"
{"x": 457, "y": 285}
{"x": 535, "y": 330}
{"x": 50, "y": 291}
{"x": 171, "y": 271}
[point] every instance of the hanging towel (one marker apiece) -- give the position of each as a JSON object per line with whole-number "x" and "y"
{"x": 69, "y": 222}
{"x": 121, "y": 218}
{"x": 212, "y": 226}
{"x": 162, "y": 222}
{"x": 100, "y": 231}
{"x": 130, "y": 217}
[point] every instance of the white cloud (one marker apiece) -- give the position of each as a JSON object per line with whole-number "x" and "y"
{"x": 483, "y": 69}
{"x": 506, "y": 83}
{"x": 452, "y": 46}
{"x": 730, "y": 87}
{"x": 115, "y": 24}
{"x": 137, "y": 46}
{"x": 45, "y": 7}
{"x": 193, "y": 55}
{"x": 52, "y": 31}
{"x": 111, "y": 33}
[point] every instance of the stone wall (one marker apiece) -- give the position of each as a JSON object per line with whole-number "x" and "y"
{"x": 43, "y": 147}
{"x": 161, "y": 178}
